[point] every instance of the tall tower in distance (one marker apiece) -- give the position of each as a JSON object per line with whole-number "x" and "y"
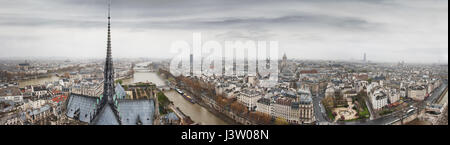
{"x": 191, "y": 64}
{"x": 284, "y": 61}
{"x": 365, "y": 58}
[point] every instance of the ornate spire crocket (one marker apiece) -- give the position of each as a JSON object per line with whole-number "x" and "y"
{"x": 108, "y": 88}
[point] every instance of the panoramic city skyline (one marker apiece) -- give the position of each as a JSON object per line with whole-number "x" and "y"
{"x": 54, "y": 87}
{"x": 386, "y": 30}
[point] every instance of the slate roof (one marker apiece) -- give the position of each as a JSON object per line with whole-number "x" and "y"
{"x": 106, "y": 117}
{"x": 131, "y": 110}
{"x": 120, "y": 91}
{"x": 171, "y": 116}
{"x": 86, "y": 104}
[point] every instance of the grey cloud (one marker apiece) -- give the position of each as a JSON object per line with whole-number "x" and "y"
{"x": 51, "y": 22}
{"x": 134, "y": 10}
{"x": 319, "y": 24}
{"x": 256, "y": 35}
{"x": 214, "y": 23}
{"x": 318, "y": 21}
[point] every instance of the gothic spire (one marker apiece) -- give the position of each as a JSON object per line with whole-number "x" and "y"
{"x": 108, "y": 111}
{"x": 108, "y": 88}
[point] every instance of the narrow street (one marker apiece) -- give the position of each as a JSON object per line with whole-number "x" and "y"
{"x": 319, "y": 110}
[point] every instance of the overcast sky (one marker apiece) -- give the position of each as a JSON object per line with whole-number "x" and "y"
{"x": 387, "y": 30}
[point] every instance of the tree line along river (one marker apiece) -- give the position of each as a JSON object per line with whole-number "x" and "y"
{"x": 197, "y": 113}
